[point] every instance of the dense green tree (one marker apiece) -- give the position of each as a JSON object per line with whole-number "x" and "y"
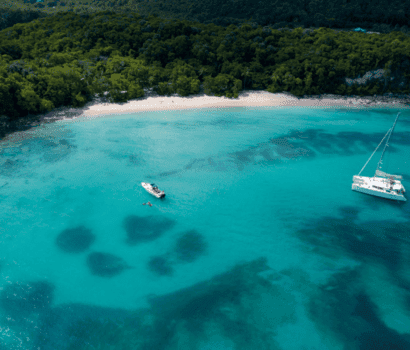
{"x": 138, "y": 73}
{"x": 28, "y": 99}
{"x": 183, "y": 78}
{"x": 222, "y": 84}
{"x": 383, "y": 16}
{"x": 121, "y": 90}
{"x": 68, "y": 58}
{"x": 9, "y": 97}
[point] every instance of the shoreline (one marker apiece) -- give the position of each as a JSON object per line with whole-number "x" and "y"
{"x": 154, "y": 102}
{"x": 249, "y": 98}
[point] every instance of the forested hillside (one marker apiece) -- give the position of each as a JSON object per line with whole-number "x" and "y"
{"x": 377, "y": 15}
{"x": 67, "y": 59}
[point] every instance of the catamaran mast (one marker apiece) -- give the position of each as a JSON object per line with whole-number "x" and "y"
{"x": 364, "y": 166}
{"x": 387, "y": 143}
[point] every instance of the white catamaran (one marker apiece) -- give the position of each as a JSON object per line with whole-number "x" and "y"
{"x": 381, "y": 184}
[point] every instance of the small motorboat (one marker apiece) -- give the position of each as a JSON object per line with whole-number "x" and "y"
{"x": 153, "y": 189}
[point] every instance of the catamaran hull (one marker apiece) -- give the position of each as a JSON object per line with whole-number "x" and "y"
{"x": 381, "y": 185}
{"x": 394, "y": 197}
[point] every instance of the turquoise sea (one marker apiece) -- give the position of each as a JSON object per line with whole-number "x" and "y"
{"x": 260, "y": 242}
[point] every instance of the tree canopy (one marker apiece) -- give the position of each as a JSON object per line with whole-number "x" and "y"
{"x": 381, "y": 16}
{"x": 68, "y": 58}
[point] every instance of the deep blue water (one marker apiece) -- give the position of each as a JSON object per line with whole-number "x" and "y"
{"x": 259, "y": 244}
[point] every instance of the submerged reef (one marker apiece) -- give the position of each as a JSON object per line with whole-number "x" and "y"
{"x": 226, "y": 304}
{"x": 180, "y": 320}
{"x": 382, "y": 241}
{"x": 108, "y": 333}
{"x": 343, "y": 309}
{"x": 8, "y": 167}
{"x": 145, "y": 229}
{"x": 19, "y": 300}
{"x": 218, "y": 312}
{"x": 295, "y": 144}
{"x": 75, "y": 240}
{"x": 9, "y": 163}
{"x": 64, "y": 142}
{"x": 349, "y": 213}
{"x": 134, "y": 159}
{"x": 160, "y": 265}
{"x": 105, "y": 264}
{"x": 189, "y": 246}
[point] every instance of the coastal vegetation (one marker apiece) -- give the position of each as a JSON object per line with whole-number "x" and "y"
{"x": 66, "y": 59}
{"x": 381, "y": 16}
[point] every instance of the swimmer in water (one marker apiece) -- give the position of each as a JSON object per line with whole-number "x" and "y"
{"x": 144, "y": 203}
{"x": 149, "y": 204}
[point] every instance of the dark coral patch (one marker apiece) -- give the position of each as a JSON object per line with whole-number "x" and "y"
{"x": 349, "y": 212}
{"x": 56, "y": 155}
{"x": 9, "y": 166}
{"x": 47, "y": 143}
{"x": 9, "y": 163}
{"x": 160, "y": 266}
{"x": 105, "y": 264}
{"x": 343, "y": 308}
{"x": 21, "y": 299}
{"x": 189, "y": 246}
{"x": 75, "y": 240}
{"x": 168, "y": 173}
{"x": 199, "y": 304}
{"x": 64, "y": 142}
{"x": 134, "y": 159}
{"x": 145, "y": 229}
{"x": 381, "y": 241}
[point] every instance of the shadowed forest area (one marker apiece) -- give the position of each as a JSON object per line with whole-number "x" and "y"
{"x": 381, "y": 16}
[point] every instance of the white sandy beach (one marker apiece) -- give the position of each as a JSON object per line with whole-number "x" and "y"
{"x": 246, "y": 99}
{"x": 153, "y": 102}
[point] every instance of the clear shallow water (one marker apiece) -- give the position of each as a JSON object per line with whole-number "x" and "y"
{"x": 260, "y": 242}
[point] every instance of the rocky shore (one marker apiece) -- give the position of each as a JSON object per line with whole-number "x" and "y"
{"x": 370, "y": 101}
